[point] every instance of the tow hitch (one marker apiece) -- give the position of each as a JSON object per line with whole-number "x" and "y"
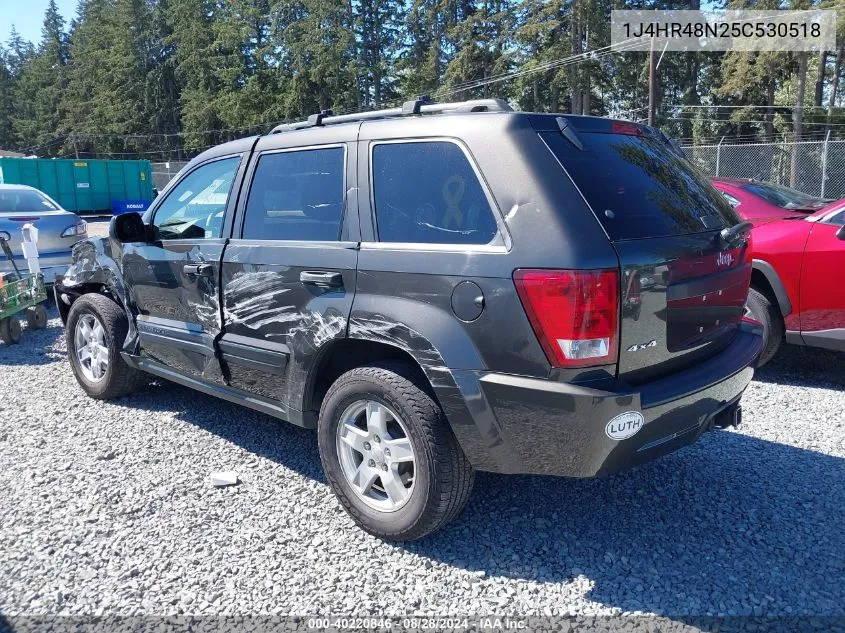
{"x": 732, "y": 416}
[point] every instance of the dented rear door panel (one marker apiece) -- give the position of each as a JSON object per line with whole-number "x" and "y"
{"x": 275, "y": 322}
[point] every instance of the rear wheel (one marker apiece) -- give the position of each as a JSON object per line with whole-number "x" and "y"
{"x": 36, "y": 317}
{"x": 10, "y": 330}
{"x": 96, "y": 329}
{"x": 764, "y": 310}
{"x": 389, "y": 454}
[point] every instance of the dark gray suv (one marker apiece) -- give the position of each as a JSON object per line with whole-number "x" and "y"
{"x": 438, "y": 289}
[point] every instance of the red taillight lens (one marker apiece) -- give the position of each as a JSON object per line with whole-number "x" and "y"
{"x": 621, "y": 127}
{"x": 574, "y": 313}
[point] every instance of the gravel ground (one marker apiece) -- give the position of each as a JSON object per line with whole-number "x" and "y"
{"x": 107, "y": 509}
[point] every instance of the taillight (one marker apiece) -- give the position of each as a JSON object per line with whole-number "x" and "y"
{"x": 623, "y": 127}
{"x": 78, "y": 229}
{"x": 574, "y": 313}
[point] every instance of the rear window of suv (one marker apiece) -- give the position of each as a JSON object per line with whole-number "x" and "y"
{"x": 638, "y": 188}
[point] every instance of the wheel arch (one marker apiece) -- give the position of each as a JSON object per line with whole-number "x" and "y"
{"x": 766, "y": 279}
{"x": 344, "y": 354}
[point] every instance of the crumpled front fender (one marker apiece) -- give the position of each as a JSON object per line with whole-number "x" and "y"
{"x": 96, "y": 267}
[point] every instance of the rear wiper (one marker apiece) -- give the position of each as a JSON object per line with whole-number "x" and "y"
{"x": 729, "y": 235}
{"x": 568, "y": 132}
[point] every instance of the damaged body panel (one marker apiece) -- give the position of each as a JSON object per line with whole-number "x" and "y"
{"x": 96, "y": 266}
{"x": 274, "y": 324}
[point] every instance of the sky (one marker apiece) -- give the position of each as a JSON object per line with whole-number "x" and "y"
{"x": 27, "y": 16}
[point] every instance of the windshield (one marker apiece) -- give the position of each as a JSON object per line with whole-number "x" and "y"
{"x": 637, "y": 188}
{"x": 781, "y": 196}
{"x": 25, "y": 201}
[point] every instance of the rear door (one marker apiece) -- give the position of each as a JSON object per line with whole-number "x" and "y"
{"x": 289, "y": 273}
{"x": 683, "y": 290}
{"x": 174, "y": 279}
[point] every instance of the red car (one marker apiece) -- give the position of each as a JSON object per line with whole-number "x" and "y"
{"x": 758, "y": 201}
{"x": 795, "y": 291}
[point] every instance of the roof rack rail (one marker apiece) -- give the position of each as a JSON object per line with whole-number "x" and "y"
{"x": 422, "y": 105}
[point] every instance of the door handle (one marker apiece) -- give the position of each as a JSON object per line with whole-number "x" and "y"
{"x": 199, "y": 270}
{"x": 324, "y": 279}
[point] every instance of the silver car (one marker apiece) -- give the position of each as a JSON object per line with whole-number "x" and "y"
{"x": 58, "y": 230}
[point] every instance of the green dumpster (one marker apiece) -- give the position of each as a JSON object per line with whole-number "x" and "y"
{"x": 83, "y": 185}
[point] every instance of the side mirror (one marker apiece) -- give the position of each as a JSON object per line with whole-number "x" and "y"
{"x": 841, "y": 232}
{"x": 127, "y": 228}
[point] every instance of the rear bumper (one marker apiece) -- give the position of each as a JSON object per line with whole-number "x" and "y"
{"x": 536, "y": 426}
{"x": 52, "y": 264}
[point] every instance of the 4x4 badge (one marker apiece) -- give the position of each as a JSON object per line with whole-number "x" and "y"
{"x": 637, "y": 347}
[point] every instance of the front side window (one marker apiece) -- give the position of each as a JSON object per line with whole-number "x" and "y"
{"x": 297, "y": 195}
{"x": 195, "y": 208}
{"x": 428, "y": 193}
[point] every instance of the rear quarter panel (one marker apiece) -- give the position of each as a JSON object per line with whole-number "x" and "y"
{"x": 781, "y": 244}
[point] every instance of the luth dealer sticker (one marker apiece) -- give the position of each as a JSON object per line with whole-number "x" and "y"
{"x": 624, "y": 425}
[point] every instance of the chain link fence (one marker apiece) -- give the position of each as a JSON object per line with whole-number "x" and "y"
{"x": 814, "y": 167}
{"x": 163, "y": 172}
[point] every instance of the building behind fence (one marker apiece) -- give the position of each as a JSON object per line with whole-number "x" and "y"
{"x": 819, "y": 165}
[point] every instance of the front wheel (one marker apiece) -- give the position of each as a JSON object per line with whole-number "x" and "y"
{"x": 96, "y": 329}
{"x": 389, "y": 453}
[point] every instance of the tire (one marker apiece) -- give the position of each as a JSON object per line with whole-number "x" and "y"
{"x": 10, "y": 330}
{"x": 442, "y": 475}
{"x": 117, "y": 378}
{"x": 766, "y": 312}
{"x": 36, "y": 317}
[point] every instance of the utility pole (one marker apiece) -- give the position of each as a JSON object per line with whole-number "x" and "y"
{"x": 652, "y": 88}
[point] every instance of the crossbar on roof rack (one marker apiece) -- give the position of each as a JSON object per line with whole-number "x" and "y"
{"x": 409, "y": 108}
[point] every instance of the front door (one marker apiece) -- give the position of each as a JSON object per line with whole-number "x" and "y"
{"x": 288, "y": 274}
{"x": 822, "y": 295}
{"x": 174, "y": 279}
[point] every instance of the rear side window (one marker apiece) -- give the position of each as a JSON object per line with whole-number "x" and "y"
{"x": 297, "y": 196}
{"x": 637, "y": 188}
{"x": 428, "y": 193}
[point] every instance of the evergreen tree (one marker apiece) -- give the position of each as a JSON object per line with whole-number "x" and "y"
{"x": 18, "y": 52}
{"x": 378, "y": 32}
{"x": 7, "y": 140}
{"x": 106, "y": 110}
{"x": 423, "y": 62}
{"x": 162, "y": 88}
{"x": 479, "y": 35}
{"x": 39, "y": 89}
{"x": 319, "y": 44}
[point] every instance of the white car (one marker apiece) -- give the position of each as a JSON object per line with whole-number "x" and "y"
{"x": 58, "y": 230}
